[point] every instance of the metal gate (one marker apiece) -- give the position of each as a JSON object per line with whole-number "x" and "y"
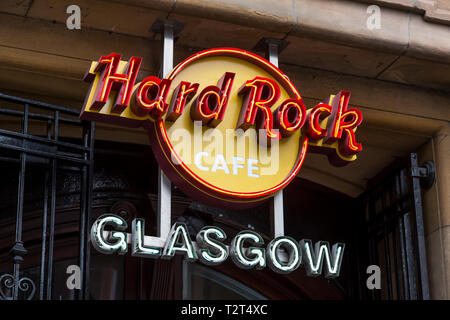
{"x": 30, "y": 145}
{"x": 395, "y": 230}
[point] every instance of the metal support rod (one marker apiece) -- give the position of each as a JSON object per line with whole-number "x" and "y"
{"x": 18, "y": 251}
{"x": 277, "y": 202}
{"x": 167, "y": 48}
{"x": 410, "y": 257}
{"x": 278, "y": 214}
{"x": 387, "y": 255}
{"x": 44, "y": 236}
{"x": 44, "y": 221}
{"x": 83, "y": 215}
{"x": 90, "y": 178}
{"x": 164, "y": 184}
{"x": 164, "y": 204}
{"x": 272, "y": 52}
{"x": 403, "y": 258}
{"x": 400, "y": 192}
{"x": 417, "y": 205}
{"x": 52, "y": 214}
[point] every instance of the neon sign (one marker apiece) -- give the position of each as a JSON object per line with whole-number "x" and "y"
{"x": 236, "y": 101}
{"x": 247, "y": 249}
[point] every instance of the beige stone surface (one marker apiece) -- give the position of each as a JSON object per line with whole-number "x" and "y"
{"x": 345, "y": 22}
{"x": 42, "y": 63}
{"x": 442, "y": 151}
{"x": 46, "y": 84}
{"x": 442, "y": 5}
{"x": 40, "y": 36}
{"x": 417, "y": 72}
{"x": 334, "y": 57}
{"x": 430, "y": 197}
{"x": 404, "y": 3}
{"x": 402, "y": 123}
{"x": 19, "y": 7}
{"x": 274, "y": 16}
{"x": 356, "y": 174}
{"x": 437, "y": 214}
{"x": 428, "y": 40}
{"x": 446, "y": 249}
{"x": 207, "y": 33}
{"x": 324, "y": 34}
{"x": 436, "y": 264}
{"x": 437, "y": 11}
{"x": 43, "y": 58}
{"x": 323, "y": 177}
{"x": 101, "y": 15}
{"x": 378, "y": 95}
{"x": 399, "y": 143}
{"x": 163, "y": 5}
{"x": 398, "y": 4}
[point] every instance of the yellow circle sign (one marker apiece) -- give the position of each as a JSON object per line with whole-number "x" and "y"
{"x": 221, "y": 160}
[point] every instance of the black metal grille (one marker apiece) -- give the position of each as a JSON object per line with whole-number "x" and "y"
{"x": 394, "y": 223}
{"x": 30, "y": 143}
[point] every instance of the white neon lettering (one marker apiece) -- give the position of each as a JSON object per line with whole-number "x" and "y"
{"x": 237, "y": 165}
{"x": 179, "y": 242}
{"x": 211, "y": 251}
{"x": 251, "y": 167}
{"x": 105, "y": 245}
{"x": 314, "y": 263}
{"x": 242, "y": 260}
{"x": 282, "y": 254}
{"x": 137, "y": 242}
{"x": 220, "y": 164}
{"x": 198, "y": 160}
{"x": 294, "y": 254}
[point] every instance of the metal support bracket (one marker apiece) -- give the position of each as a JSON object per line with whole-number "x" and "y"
{"x": 426, "y": 174}
{"x": 161, "y": 24}
{"x": 266, "y": 43}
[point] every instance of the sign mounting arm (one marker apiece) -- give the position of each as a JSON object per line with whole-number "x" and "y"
{"x": 273, "y": 47}
{"x": 167, "y": 28}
